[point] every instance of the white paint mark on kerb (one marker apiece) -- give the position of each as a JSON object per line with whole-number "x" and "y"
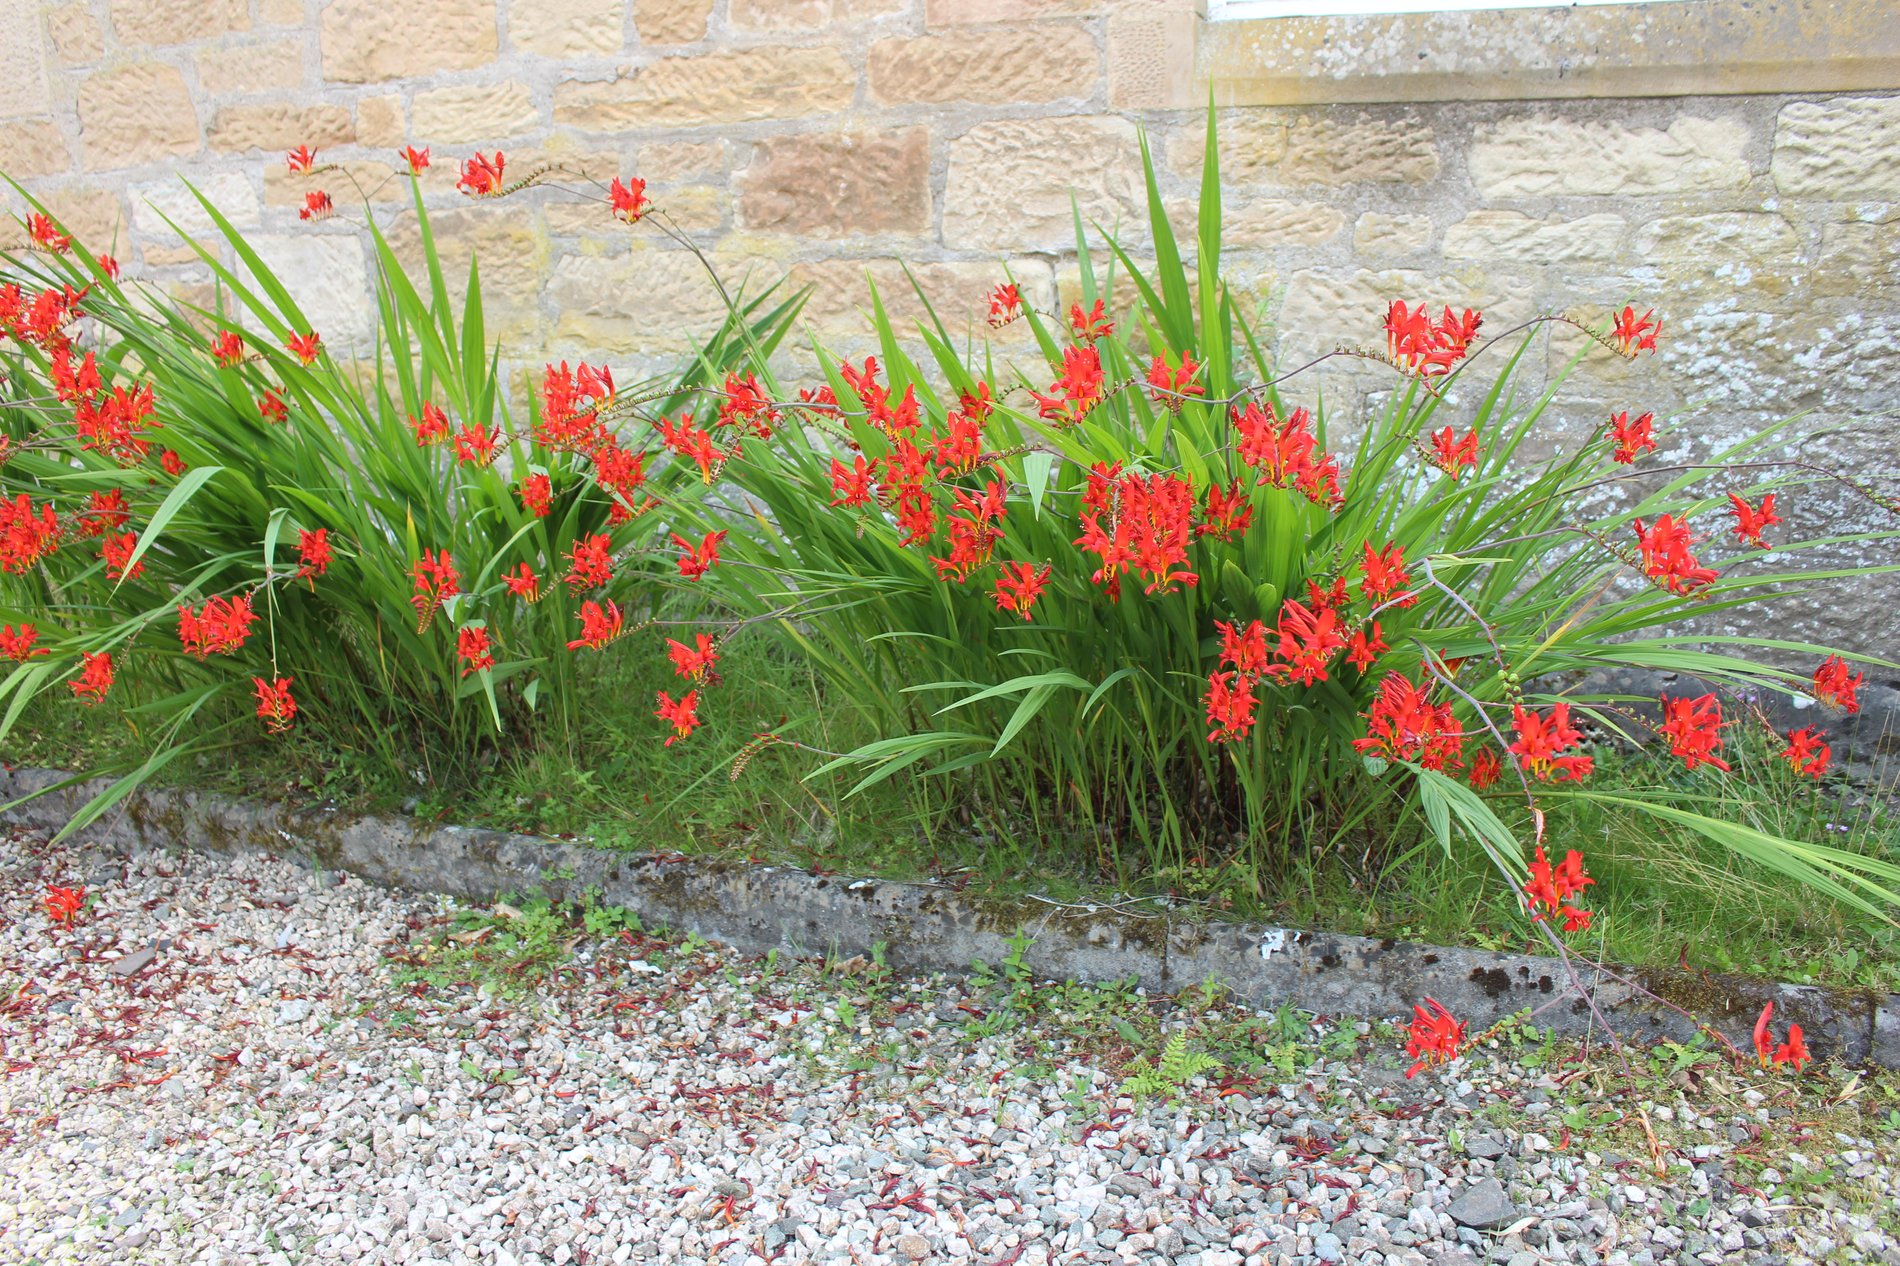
{"x": 1272, "y": 943}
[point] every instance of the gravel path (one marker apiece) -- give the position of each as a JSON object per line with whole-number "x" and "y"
{"x": 239, "y": 1060}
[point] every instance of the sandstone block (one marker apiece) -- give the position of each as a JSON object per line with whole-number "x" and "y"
{"x": 647, "y": 300}
{"x": 959, "y": 292}
{"x": 23, "y": 91}
{"x": 1265, "y": 223}
{"x": 725, "y": 87}
{"x": 286, "y": 188}
{"x": 1250, "y": 146}
{"x": 1483, "y": 235}
{"x": 93, "y": 216}
{"x": 1841, "y": 149}
{"x": 1151, "y": 60}
{"x": 1326, "y": 307}
{"x": 280, "y": 12}
{"x": 135, "y": 114}
{"x": 839, "y": 184}
{"x": 969, "y": 12}
{"x": 33, "y": 147}
{"x": 681, "y": 160}
{"x": 1041, "y": 63}
{"x": 1858, "y": 259}
{"x": 805, "y": 15}
{"x": 379, "y": 122}
{"x": 75, "y": 34}
{"x": 1751, "y": 250}
{"x": 513, "y": 254}
{"x": 476, "y": 113}
{"x": 1004, "y": 193}
{"x": 138, "y": 22}
{"x": 567, "y": 28}
{"x": 1333, "y": 152}
{"x": 280, "y": 125}
{"x": 159, "y": 205}
{"x": 328, "y": 279}
{"x": 231, "y": 70}
{"x": 671, "y": 21}
{"x": 1376, "y": 233}
{"x": 1530, "y": 157}
{"x": 365, "y": 41}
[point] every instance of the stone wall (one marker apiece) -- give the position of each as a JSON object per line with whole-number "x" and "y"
{"x": 1481, "y": 159}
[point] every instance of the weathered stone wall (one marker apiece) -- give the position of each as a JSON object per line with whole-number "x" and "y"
{"x": 828, "y": 139}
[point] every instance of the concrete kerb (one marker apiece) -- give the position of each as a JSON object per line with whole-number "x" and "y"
{"x": 932, "y": 928}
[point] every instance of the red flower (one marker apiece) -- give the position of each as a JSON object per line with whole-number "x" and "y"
{"x": 431, "y": 428}
{"x": 227, "y": 348}
{"x": 959, "y": 450}
{"x": 417, "y": 159}
{"x": 20, "y": 645}
{"x": 1006, "y": 304}
{"x": 1549, "y": 890}
{"x": 599, "y": 625}
{"x": 1167, "y": 386}
{"x": 695, "y": 662}
{"x": 475, "y": 444}
{"x": 1366, "y": 647}
{"x": 1243, "y": 649}
{"x": 1634, "y": 333}
{"x": 63, "y": 904}
{"x": 1018, "y": 586}
{"x": 171, "y": 463}
{"x": 1150, "y": 526}
{"x": 1632, "y": 438}
{"x": 1452, "y": 455}
{"x": 305, "y": 346}
{"x": 1385, "y": 572}
{"x": 1834, "y": 684}
{"x": 219, "y": 629}
{"x": 683, "y": 716}
{"x": 105, "y": 512}
{"x": 313, "y": 554}
{"x": 972, "y": 534}
{"x": 1416, "y": 342}
{"x": 1287, "y": 453}
{"x": 436, "y": 582}
{"x": 95, "y": 677}
{"x": 1089, "y": 326}
{"x": 301, "y": 159}
{"x": 744, "y": 405}
{"x": 117, "y": 552}
{"x": 629, "y": 200}
{"x": 1228, "y": 512}
{"x": 275, "y": 706}
{"x": 1403, "y": 724}
{"x": 592, "y": 565}
{"x": 1307, "y": 640}
{"x": 1230, "y": 705}
{"x": 1076, "y": 391}
{"x": 471, "y": 643}
{"x": 1436, "y": 1037}
{"x": 536, "y": 495}
{"x": 1694, "y": 730}
{"x": 1750, "y": 522}
{"x": 271, "y": 406}
{"x": 1486, "y": 768}
{"x": 109, "y": 266}
{"x": 26, "y": 535}
{"x": 1666, "y": 556}
{"x": 1807, "y": 752}
{"x": 74, "y": 383}
{"x": 1542, "y": 740}
{"x": 1794, "y": 1050}
{"x": 480, "y": 177}
{"x": 316, "y": 206}
{"x": 523, "y": 583}
{"x": 1333, "y": 595}
{"x": 696, "y": 560}
{"x": 687, "y": 440}
{"x": 47, "y": 235}
{"x": 1764, "y": 1039}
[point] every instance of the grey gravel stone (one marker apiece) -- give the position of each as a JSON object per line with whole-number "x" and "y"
{"x": 135, "y": 962}
{"x": 1482, "y": 1205}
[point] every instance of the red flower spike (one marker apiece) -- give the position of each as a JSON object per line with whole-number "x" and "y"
{"x": 20, "y": 644}
{"x": 1634, "y": 333}
{"x": 63, "y": 904}
{"x": 227, "y": 348}
{"x": 1807, "y": 752}
{"x": 1543, "y": 740}
{"x": 1018, "y": 586}
{"x": 275, "y": 706}
{"x": 1549, "y": 890}
{"x": 629, "y": 199}
{"x": 417, "y": 160}
{"x": 109, "y": 266}
{"x": 313, "y": 555}
{"x": 1435, "y": 1038}
{"x": 117, "y": 550}
{"x": 171, "y": 463}
{"x": 1451, "y": 454}
{"x": 436, "y": 581}
{"x": 1091, "y": 325}
{"x": 592, "y": 563}
{"x": 1666, "y": 557}
{"x": 1243, "y": 649}
{"x": 1287, "y": 453}
{"x": 1834, "y": 684}
{"x": 687, "y": 440}
{"x": 271, "y": 406}
{"x": 472, "y": 646}
{"x": 683, "y": 716}
{"x": 537, "y": 495}
{"x": 1227, "y": 513}
{"x": 1486, "y": 769}
{"x": 1385, "y": 572}
{"x": 46, "y": 234}
{"x": 523, "y": 583}
{"x": 1417, "y": 342}
{"x": 695, "y": 662}
{"x": 432, "y": 427}
{"x": 305, "y": 346}
{"x": 1694, "y": 730}
{"x": 1167, "y": 386}
{"x": 95, "y": 677}
{"x": 1307, "y": 639}
{"x": 1006, "y": 304}
{"x": 26, "y": 535}
{"x": 599, "y": 626}
{"x": 1366, "y": 647}
{"x": 1403, "y": 724}
{"x": 301, "y": 159}
{"x": 696, "y": 560}
{"x": 1230, "y": 704}
{"x": 1794, "y": 1050}
{"x": 1749, "y": 522}
{"x": 1764, "y": 1040}
{"x": 316, "y": 206}
{"x": 219, "y": 629}
{"x": 481, "y": 178}
{"x": 1076, "y": 391}
{"x": 105, "y": 512}
{"x": 475, "y": 444}
{"x": 1632, "y": 438}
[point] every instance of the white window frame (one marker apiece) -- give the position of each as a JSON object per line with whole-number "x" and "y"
{"x": 1241, "y": 10}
